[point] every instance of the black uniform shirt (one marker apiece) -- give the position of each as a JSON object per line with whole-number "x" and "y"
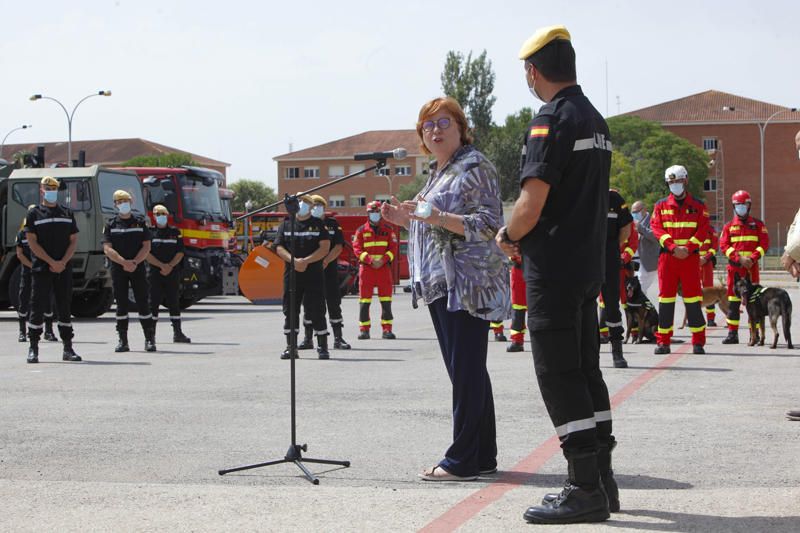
{"x": 166, "y": 243}
{"x": 619, "y": 216}
{"x": 334, "y": 231}
{"x": 53, "y": 227}
{"x": 126, "y": 235}
{"x": 567, "y": 145}
{"x": 308, "y": 234}
{"x": 22, "y": 242}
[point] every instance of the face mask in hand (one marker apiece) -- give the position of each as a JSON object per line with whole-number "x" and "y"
{"x": 374, "y": 217}
{"x": 317, "y": 211}
{"x": 676, "y": 188}
{"x": 124, "y": 208}
{"x": 304, "y": 209}
{"x": 50, "y": 196}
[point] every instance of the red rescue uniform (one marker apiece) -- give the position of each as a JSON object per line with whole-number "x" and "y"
{"x": 373, "y": 243}
{"x": 626, "y": 252}
{"x": 519, "y": 301}
{"x": 708, "y": 260}
{"x": 742, "y": 237}
{"x": 680, "y": 223}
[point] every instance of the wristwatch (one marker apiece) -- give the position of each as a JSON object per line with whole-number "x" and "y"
{"x": 504, "y": 235}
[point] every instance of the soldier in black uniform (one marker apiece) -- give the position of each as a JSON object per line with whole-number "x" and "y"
{"x": 23, "y": 252}
{"x": 164, "y": 273}
{"x": 311, "y": 245}
{"x": 618, "y": 230}
{"x": 126, "y": 243}
{"x": 333, "y": 298}
{"x": 562, "y": 212}
{"x": 52, "y": 237}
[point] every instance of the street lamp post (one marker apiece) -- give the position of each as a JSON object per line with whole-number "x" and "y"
{"x": 3, "y": 144}
{"x": 762, "y": 128}
{"x": 69, "y": 115}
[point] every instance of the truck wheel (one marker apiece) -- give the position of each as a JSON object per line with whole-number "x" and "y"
{"x": 92, "y": 304}
{"x": 13, "y": 287}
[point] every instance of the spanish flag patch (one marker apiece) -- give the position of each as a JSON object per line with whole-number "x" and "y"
{"x": 539, "y": 132}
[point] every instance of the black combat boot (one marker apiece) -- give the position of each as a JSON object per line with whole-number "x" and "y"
{"x": 607, "y": 475}
{"x": 698, "y": 349}
{"x": 122, "y": 345}
{"x": 500, "y": 337}
{"x": 33, "y": 350}
{"x": 287, "y": 352}
{"x": 582, "y": 499}
{"x": 22, "y": 335}
{"x": 150, "y": 339}
{"x": 338, "y": 341}
{"x": 388, "y": 334}
{"x": 616, "y": 354}
{"x": 69, "y": 354}
{"x": 308, "y": 343}
{"x": 363, "y": 334}
{"x": 177, "y": 333}
{"x": 322, "y": 347}
{"x": 662, "y": 349}
{"x": 48, "y": 330}
{"x": 732, "y": 338}
{"x": 515, "y": 347}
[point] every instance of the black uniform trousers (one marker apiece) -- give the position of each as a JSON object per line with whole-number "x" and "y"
{"x": 332, "y": 298}
{"x": 610, "y": 313}
{"x": 137, "y": 280}
{"x": 562, "y": 321}
{"x": 25, "y": 296}
{"x": 463, "y": 340}
{"x": 44, "y": 287}
{"x": 309, "y": 291}
{"x": 164, "y": 289}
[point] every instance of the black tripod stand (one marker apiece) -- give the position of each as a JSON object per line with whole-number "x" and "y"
{"x": 294, "y": 454}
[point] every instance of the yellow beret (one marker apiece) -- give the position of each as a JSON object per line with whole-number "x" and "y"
{"x": 160, "y": 210}
{"x": 542, "y": 37}
{"x": 121, "y": 195}
{"x": 50, "y": 181}
{"x": 307, "y": 198}
{"x": 317, "y": 199}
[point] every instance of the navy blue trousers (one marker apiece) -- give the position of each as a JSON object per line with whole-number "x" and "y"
{"x": 464, "y": 342}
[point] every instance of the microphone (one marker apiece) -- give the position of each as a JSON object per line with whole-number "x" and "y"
{"x": 397, "y": 153}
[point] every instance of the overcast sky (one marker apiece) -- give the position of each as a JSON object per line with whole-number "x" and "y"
{"x": 239, "y": 81}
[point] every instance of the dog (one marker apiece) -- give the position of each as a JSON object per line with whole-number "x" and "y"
{"x": 639, "y": 312}
{"x": 716, "y": 295}
{"x": 760, "y": 302}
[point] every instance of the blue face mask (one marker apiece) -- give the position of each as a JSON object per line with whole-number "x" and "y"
{"x": 124, "y": 208}
{"x": 51, "y": 196}
{"x": 317, "y": 211}
{"x": 161, "y": 220}
{"x": 374, "y": 217}
{"x": 304, "y": 209}
{"x": 741, "y": 209}
{"x": 637, "y": 217}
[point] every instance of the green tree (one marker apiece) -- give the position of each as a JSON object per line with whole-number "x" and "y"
{"x": 255, "y": 191}
{"x": 471, "y": 82}
{"x": 160, "y": 160}
{"x": 410, "y": 190}
{"x": 643, "y": 150}
{"x": 503, "y": 149}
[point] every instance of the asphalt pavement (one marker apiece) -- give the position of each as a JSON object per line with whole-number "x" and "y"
{"x": 134, "y": 441}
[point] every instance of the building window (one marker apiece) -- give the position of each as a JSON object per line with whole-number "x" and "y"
{"x": 385, "y": 171}
{"x": 292, "y": 173}
{"x": 356, "y": 168}
{"x": 335, "y": 171}
{"x": 311, "y": 172}
{"x": 404, "y": 170}
{"x": 710, "y": 185}
{"x": 383, "y": 197}
{"x": 358, "y": 200}
{"x": 336, "y": 201}
{"x": 709, "y": 144}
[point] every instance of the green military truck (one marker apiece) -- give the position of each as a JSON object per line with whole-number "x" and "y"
{"x": 88, "y": 192}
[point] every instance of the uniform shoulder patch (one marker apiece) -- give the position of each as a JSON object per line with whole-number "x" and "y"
{"x": 539, "y": 131}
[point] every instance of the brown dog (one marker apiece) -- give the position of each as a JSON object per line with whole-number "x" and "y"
{"x": 716, "y": 295}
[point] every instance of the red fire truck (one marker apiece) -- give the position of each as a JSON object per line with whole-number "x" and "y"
{"x": 199, "y": 207}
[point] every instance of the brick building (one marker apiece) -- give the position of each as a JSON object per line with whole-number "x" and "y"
{"x": 108, "y": 152}
{"x": 303, "y": 169}
{"x": 729, "y": 128}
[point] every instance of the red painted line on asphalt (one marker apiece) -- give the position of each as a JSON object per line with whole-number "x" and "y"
{"x": 470, "y": 506}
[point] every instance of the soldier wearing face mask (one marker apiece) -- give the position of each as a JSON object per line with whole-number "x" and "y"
{"x": 744, "y": 241}
{"x": 375, "y": 244}
{"x": 680, "y": 223}
{"x": 126, "y": 243}
{"x": 163, "y": 273}
{"x": 305, "y": 249}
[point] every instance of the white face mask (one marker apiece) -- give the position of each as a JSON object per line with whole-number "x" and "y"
{"x": 303, "y": 209}
{"x": 741, "y": 209}
{"x": 161, "y": 220}
{"x": 532, "y": 89}
{"x": 676, "y": 189}
{"x": 374, "y": 217}
{"x": 124, "y": 208}
{"x": 317, "y": 211}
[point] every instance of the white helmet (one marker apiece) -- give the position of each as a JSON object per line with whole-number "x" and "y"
{"x": 675, "y": 172}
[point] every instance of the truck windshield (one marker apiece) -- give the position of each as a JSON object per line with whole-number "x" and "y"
{"x": 199, "y": 200}
{"x": 110, "y": 182}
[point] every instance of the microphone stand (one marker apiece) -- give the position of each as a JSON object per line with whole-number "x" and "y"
{"x": 294, "y": 454}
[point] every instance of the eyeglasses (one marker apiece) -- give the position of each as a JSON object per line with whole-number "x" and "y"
{"x": 442, "y": 124}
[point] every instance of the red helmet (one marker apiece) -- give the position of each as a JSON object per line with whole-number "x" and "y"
{"x": 374, "y": 206}
{"x": 741, "y": 197}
